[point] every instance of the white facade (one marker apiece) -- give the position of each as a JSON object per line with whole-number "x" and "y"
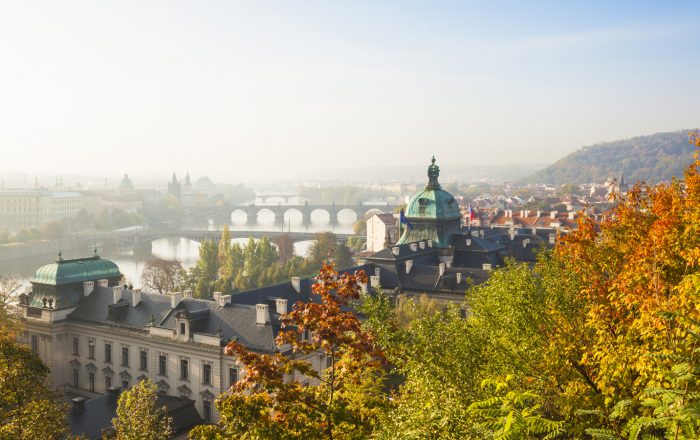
{"x": 88, "y": 357}
{"x": 31, "y": 208}
{"x": 377, "y": 227}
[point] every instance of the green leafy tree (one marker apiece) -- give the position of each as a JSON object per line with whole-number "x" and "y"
{"x": 28, "y": 407}
{"x": 138, "y": 416}
{"x": 274, "y": 401}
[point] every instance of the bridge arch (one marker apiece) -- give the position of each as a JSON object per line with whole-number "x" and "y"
{"x": 322, "y": 211}
{"x": 354, "y": 212}
{"x": 265, "y": 210}
{"x": 238, "y": 212}
{"x": 369, "y": 212}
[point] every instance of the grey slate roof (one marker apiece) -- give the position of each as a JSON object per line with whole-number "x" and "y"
{"x": 95, "y": 415}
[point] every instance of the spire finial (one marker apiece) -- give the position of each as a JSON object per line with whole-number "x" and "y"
{"x": 433, "y": 173}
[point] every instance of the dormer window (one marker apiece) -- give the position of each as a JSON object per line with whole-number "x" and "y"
{"x": 183, "y": 329}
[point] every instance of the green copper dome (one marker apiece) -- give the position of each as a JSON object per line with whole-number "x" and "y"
{"x": 76, "y": 271}
{"x": 433, "y": 202}
{"x": 433, "y": 213}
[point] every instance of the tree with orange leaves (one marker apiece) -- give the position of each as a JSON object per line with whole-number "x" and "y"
{"x": 282, "y": 396}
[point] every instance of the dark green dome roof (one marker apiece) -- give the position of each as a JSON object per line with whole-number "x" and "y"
{"x": 76, "y": 271}
{"x": 433, "y": 202}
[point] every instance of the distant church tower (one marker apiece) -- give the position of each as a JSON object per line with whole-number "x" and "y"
{"x": 174, "y": 187}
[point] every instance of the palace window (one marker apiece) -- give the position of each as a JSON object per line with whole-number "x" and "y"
{"x": 108, "y": 382}
{"x": 75, "y": 377}
{"x": 125, "y": 356}
{"x": 162, "y": 365}
{"x": 206, "y": 374}
{"x": 232, "y": 376}
{"x": 184, "y": 364}
{"x": 108, "y": 353}
{"x": 125, "y": 384}
{"x": 35, "y": 343}
{"x": 91, "y": 381}
{"x": 91, "y": 351}
{"x": 206, "y": 406}
{"x": 143, "y": 360}
{"x": 76, "y": 345}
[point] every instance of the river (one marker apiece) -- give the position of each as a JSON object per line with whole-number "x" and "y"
{"x": 184, "y": 250}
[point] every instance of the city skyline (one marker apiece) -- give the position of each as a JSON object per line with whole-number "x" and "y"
{"x": 250, "y": 91}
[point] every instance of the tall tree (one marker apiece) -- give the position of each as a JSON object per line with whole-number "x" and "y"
{"x": 138, "y": 415}
{"x": 322, "y": 248}
{"x": 162, "y": 276}
{"x": 285, "y": 247}
{"x": 28, "y": 407}
{"x": 273, "y": 399}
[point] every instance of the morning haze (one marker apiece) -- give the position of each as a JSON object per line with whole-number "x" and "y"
{"x": 251, "y": 91}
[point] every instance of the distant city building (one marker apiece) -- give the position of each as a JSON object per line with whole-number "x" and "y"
{"x": 31, "y": 208}
{"x": 174, "y": 187}
{"x": 126, "y": 186}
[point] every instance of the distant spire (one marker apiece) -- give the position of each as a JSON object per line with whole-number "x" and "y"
{"x": 60, "y": 255}
{"x": 94, "y": 251}
{"x": 174, "y": 178}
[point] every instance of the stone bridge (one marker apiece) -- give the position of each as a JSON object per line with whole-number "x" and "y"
{"x": 140, "y": 238}
{"x": 251, "y": 211}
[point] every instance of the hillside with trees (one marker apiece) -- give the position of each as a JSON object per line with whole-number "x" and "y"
{"x": 654, "y": 158}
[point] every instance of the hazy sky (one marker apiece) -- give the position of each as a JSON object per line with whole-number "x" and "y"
{"x": 252, "y": 89}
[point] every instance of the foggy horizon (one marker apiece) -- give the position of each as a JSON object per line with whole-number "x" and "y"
{"x": 251, "y": 93}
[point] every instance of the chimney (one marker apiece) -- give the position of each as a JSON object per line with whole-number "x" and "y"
{"x": 481, "y": 233}
{"x": 441, "y": 268}
{"x": 421, "y": 244}
{"x": 188, "y": 293}
{"x": 459, "y": 277}
{"x": 526, "y": 242}
{"x": 527, "y": 213}
{"x": 114, "y": 391}
{"x": 571, "y": 215}
{"x": 296, "y": 283}
{"x": 486, "y": 266}
{"x": 409, "y": 265}
{"x": 539, "y": 213}
{"x": 522, "y": 213}
{"x": 103, "y": 283}
{"x": 552, "y": 238}
{"x": 414, "y": 247}
{"x": 512, "y": 234}
{"x": 261, "y": 314}
{"x": 78, "y": 403}
{"x": 88, "y": 287}
{"x": 136, "y": 297}
{"x": 475, "y": 234}
{"x": 217, "y": 296}
{"x": 430, "y": 243}
{"x": 469, "y": 241}
{"x": 117, "y": 291}
{"x": 223, "y": 300}
{"x": 175, "y": 299}
{"x": 374, "y": 281}
{"x": 553, "y": 214}
{"x": 395, "y": 250}
{"x": 281, "y": 305}
{"x": 534, "y": 230}
{"x": 448, "y": 264}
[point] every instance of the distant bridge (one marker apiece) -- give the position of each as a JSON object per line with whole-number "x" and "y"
{"x": 139, "y": 238}
{"x": 252, "y": 211}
